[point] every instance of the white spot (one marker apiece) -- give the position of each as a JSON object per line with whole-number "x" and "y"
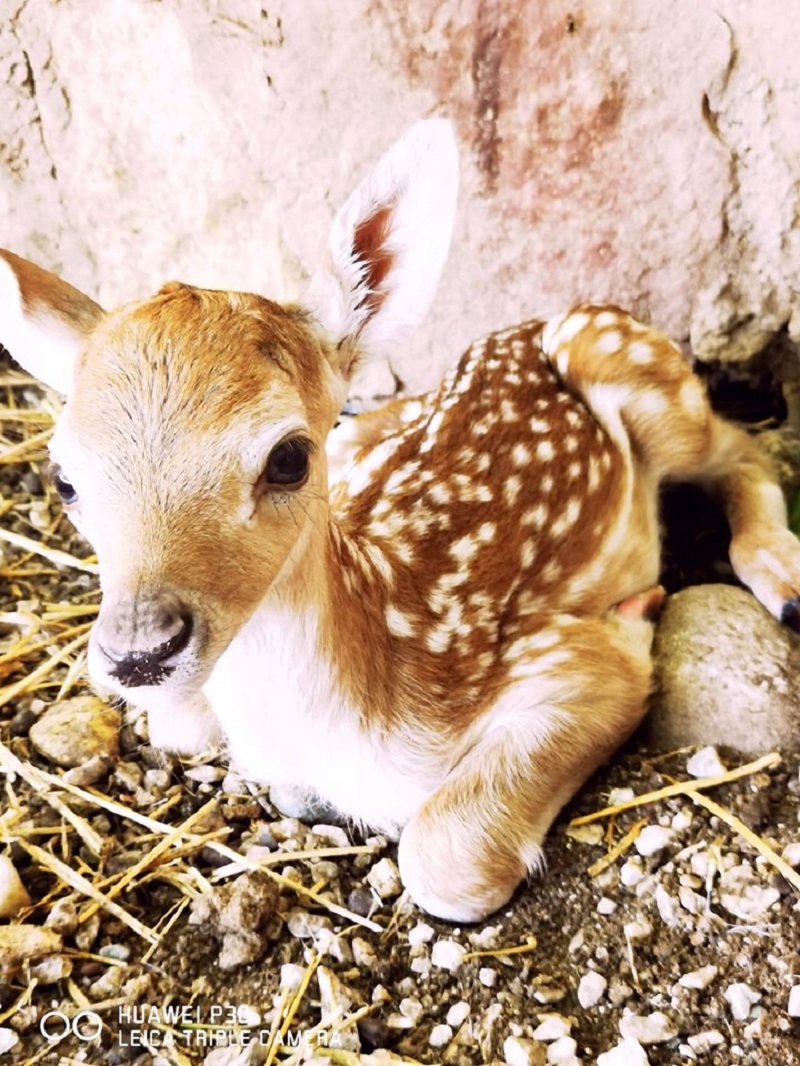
{"x": 528, "y": 553}
{"x": 693, "y": 397}
{"x": 513, "y": 378}
{"x": 550, "y": 572}
{"x": 572, "y": 419}
{"x": 464, "y": 548}
{"x": 546, "y": 484}
{"x": 651, "y": 403}
{"x": 403, "y": 550}
{"x": 483, "y": 494}
{"x": 574, "y": 470}
{"x": 594, "y": 474}
{"x": 439, "y": 639}
{"x": 508, "y": 412}
{"x": 480, "y": 429}
{"x": 545, "y": 451}
{"x": 440, "y": 493}
{"x": 399, "y": 624}
{"x": 360, "y": 476}
{"x": 512, "y": 489}
{"x": 379, "y": 561}
{"x": 640, "y": 353}
{"x": 561, "y": 330}
{"x": 520, "y": 455}
{"x": 535, "y": 516}
{"x": 609, "y": 342}
{"x": 571, "y": 444}
{"x": 606, "y": 319}
{"x": 568, "y": 519}
{"x": 486, "y": 532}
{"x": 484, "y": 462}
{"x": 540, "y": 425}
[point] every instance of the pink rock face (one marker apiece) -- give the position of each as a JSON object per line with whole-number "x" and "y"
{"x": 610, "y": 152}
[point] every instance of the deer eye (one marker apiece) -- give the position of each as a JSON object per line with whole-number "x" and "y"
{"x": 287, "y": 466}
{"x": 64, "y": 488}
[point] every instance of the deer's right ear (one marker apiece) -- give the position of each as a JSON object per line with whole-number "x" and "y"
{"x": 43, "y": 320}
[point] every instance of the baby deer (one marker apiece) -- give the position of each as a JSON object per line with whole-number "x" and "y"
{"x": 428, "y": 642}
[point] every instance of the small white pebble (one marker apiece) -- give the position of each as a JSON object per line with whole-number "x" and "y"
{"x": 606, "y": 906}
{"x": 620, "y": 795}
{"x": 682, "y": 820}
{"x": 705, "y": 763}
{"x": 8, "y": 1040}
{"x": 640, "y": 929}
{"x": 631, "y": 873}
{"x": 561, "y": 1050}
{"x": 384, "y": 877}
{"x": 422, "y": 933}
{"x": 591, "y": 988}
{"x": 701, "y": 978}
{"x": 703, "y": 1042}
{"x": 447, "y": 955}
{"x": 458, "y": 1014}
{"x": 517, "y": 1051}
{"x": 441, "y": 1035}
{"x": 626, "y": 1053}
{"x": 655, "y": 1028}
{"x": 487, "y": 976}
{"x": 291, "y": 976}
{"x": 421, "y": 965}
{"x": 793, "y": 1009}
{"x": 652, "y": 839}
{"x": 552, "y": 1027}
{"x": 667, "y": 906}
{"x": 411, "y": 1008}
{"x": 791, "y": 854}
{"x": 740, "y": 998}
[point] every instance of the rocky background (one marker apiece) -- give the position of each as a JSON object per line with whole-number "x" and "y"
{"x": 640, "y": 151}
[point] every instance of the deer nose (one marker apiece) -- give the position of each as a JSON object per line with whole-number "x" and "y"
{"x": 168, "y": 632}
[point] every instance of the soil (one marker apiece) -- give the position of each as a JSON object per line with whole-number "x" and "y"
{"x": 694, "y": 944}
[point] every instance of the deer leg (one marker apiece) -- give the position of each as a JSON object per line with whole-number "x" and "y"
{"x": 641, "y": 389}
{"x": 573, "y": 694}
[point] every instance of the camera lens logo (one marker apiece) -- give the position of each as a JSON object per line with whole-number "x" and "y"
{"x": 55, "y": 1026}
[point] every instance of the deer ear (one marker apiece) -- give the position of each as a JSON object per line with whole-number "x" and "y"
{"x": 388, "y": 245}
{"x": 43, "y": 321}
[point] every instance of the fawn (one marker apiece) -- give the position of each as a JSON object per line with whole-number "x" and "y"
{"x": 430, "y": 645}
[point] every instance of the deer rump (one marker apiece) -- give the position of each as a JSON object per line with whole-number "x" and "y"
{"x": 416, "y": 618}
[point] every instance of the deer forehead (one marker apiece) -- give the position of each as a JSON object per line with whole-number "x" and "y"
{"x": 190, "y": 370}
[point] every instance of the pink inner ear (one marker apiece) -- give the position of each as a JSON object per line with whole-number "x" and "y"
{"x": 370, "y": 250}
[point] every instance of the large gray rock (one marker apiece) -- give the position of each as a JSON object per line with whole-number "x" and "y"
{"x": 726, "y": 674}
{"x": 609, "y": 151}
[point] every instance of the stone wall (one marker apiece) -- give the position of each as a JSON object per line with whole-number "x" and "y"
{"x": 640, "y": 151}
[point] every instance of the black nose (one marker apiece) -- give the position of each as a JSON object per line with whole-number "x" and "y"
{"x": 150, "y": 667}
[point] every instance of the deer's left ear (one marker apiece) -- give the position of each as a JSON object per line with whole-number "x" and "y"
{"x": 388, "y": 245}
{"x": 43, "y": 320}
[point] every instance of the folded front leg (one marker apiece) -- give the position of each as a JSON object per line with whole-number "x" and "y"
{"x": 572, "y": 694}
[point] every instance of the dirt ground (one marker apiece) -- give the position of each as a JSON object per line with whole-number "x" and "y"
{"x": 173, "y": 911}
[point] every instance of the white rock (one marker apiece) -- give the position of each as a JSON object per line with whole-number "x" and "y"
{"x": 517, "y": 1051}
{"x": 652, "y": 839}
{"x": 421, "y": 965}
{"x": 487, "y": 976}
{"x": 8, "y": 1040}
{"x": 705, "y": 1041}
{"x": 620, "y": 795}
{"x": 591, "y": 988}
{"x": 625, "y": 1053}
{"x": 291, "y": 975}
{"x": 606, "y": 906}
{"x": 71, "y": 731}
{"x": 13, "y": 894}
{"x": 791, "y": 853}
{"x": 561, "y": 1050}
{"x": 447, "y": 955}
{"x": 384, "y": 877}
{"x": 682, "y": 819}
{"x": 441, "y": 1035}
{"x": 205, "y": 774}
{"x": 655, "y": 1028}
{"x": 751, "y": 902}
{"x": 639, "y": 929}
{"x": 705, "y": 763}
{"x": 332, "y": 834}
{"x": 412, "y": 1008}
{"x": 741, "y": 997}
{"x": 793, "y": 1009}
{"x": 631, "y": 873}
{"x": 667, "y": 906}
{"x": 458, "y": 1014}
{"x": 552, "y": 1027}
{"x": 701, "y": 978}
{"x": 422, "y": 933}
